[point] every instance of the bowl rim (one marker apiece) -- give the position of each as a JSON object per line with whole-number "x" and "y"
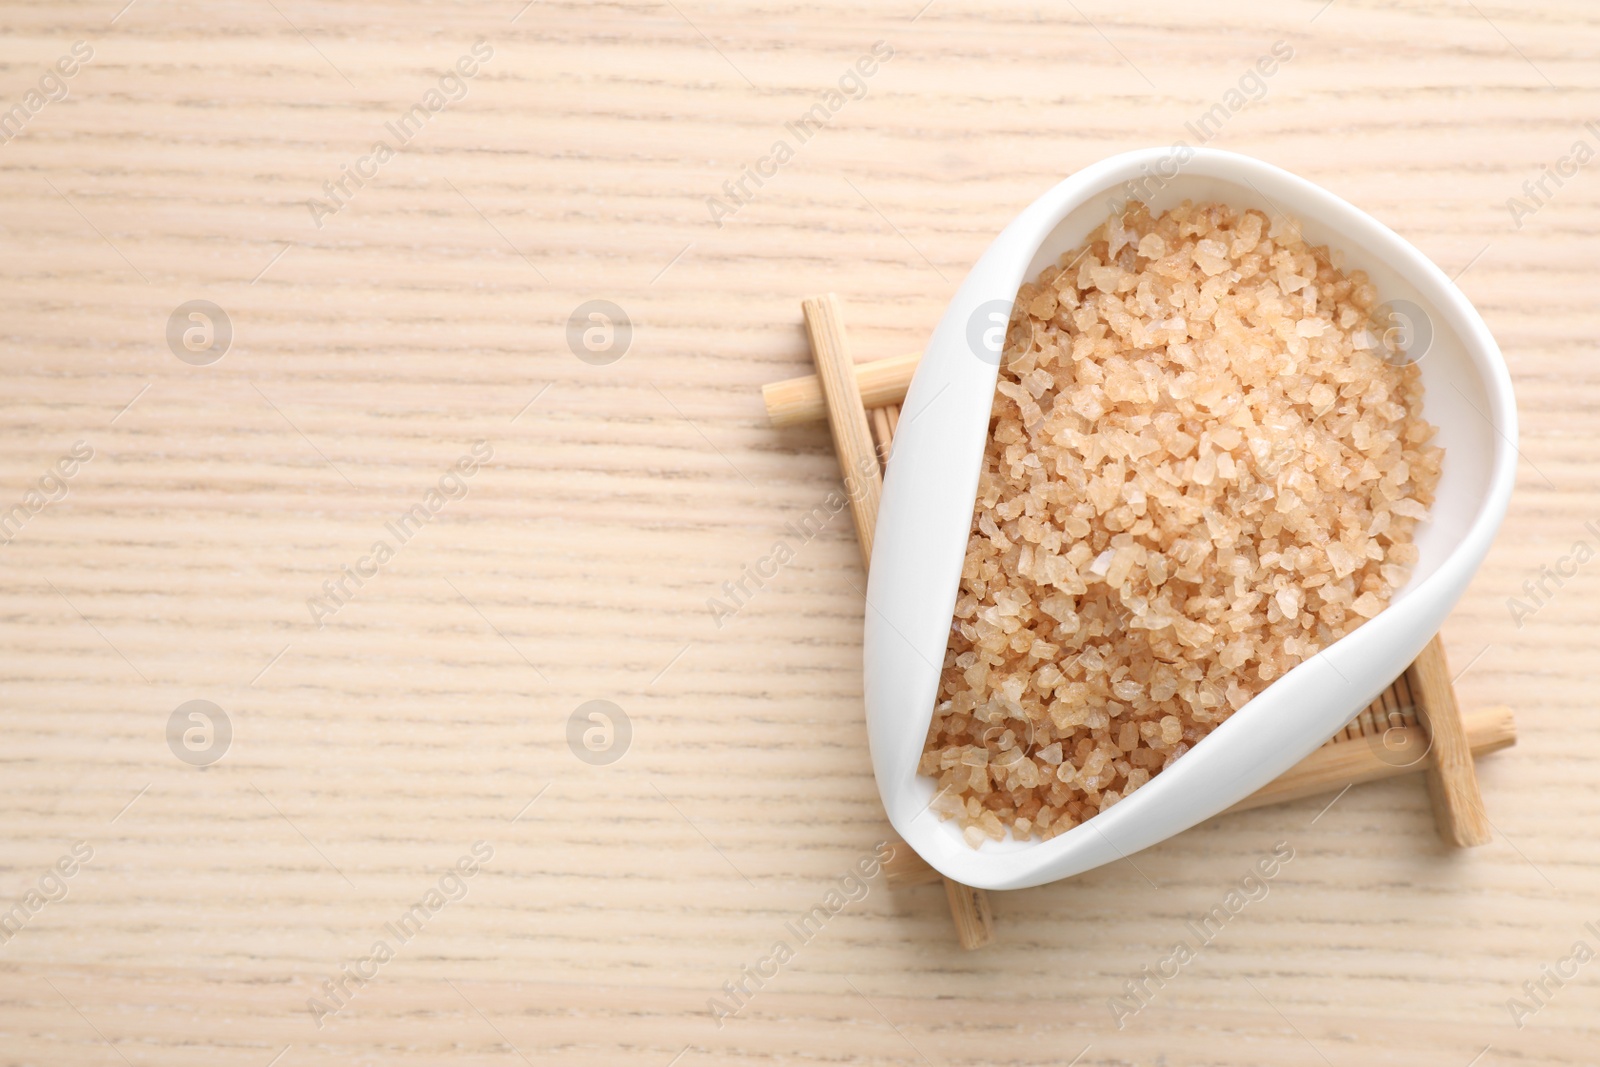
{"x": 1403, "y": 627}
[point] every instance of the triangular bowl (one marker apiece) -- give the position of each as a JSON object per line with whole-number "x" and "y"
{"x": 931, "y": 483}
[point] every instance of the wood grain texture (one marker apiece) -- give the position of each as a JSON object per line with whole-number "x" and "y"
{"x": 369, "y": 354}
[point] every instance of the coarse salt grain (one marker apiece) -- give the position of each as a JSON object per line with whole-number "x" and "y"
{"x": 1201, "y": 470}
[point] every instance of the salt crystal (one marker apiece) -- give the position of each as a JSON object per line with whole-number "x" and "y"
{"x": 1128, "y": 737}
{"x": 1340, "y": 558}
{"x": 1366, "y": 605}
{"x": 1395, "y": 574}
{"x": 1122, "y": 562}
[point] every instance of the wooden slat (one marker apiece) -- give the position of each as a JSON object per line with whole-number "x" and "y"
{"x": 852, "y": 436}
{"x": 882, "y": 434}
{"x": 969, "y": 908}
{"x": 879, "y": 382}
{"x": 1452, "y": 778}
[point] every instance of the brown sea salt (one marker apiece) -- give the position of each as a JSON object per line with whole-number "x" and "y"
{"x": 1204, "y": 465}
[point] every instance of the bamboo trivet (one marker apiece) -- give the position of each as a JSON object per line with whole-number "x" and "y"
{"x": 1414, "y": 725}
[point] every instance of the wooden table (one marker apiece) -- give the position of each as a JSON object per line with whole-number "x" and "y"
{"x": 377, "y": 734}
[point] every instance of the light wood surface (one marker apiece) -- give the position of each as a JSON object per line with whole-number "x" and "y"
{"x": 431, "y": 711}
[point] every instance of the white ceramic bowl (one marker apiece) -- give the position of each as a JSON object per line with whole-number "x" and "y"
{"x": 931, "y": 484}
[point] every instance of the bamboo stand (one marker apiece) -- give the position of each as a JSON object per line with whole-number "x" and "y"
{"x": 1414, "y": 725}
